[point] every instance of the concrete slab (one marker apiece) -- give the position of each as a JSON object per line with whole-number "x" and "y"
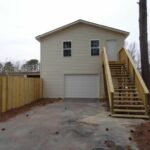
{"x": 68, "y": 125}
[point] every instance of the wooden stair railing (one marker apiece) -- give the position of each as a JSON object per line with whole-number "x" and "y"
{"x": 108, "y": 78}
{"x": 125, "y": 58}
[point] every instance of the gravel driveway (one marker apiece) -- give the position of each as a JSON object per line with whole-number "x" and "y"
{"x": 68, "y": 125}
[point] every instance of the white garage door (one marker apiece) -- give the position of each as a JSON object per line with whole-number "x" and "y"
{"x": 81, "y": 86}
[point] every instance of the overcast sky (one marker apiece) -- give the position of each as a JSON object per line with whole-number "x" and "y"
{"x": 22, "y": 20}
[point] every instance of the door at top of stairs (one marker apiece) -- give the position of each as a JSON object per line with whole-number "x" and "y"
{"x": 112, "y": 50}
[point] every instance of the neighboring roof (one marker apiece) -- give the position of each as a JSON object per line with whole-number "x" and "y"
{"x": 84, "y": 22}
{"x": 20, "y": 73}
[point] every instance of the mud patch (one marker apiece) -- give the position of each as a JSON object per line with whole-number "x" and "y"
{"x": 83, "y": 131}
{"x": 141, "y": 135}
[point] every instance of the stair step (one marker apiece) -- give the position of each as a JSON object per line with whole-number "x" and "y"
{"x": 117, "y": 67}
{"x": 118, "y": 70}
{"x": 127, "y": 101}
{"x": 126, "y": 90}
{"x": 129, "y": 110}
{"x": 118, "y": 63}
{"x": 115, "y": 86}
{"x": 129, "y": 86}
{"x": 115, "y": 63}
{"x": 124, "y": 75}
{"x": 125, "y": 81}
{"x": 125, "y": 105}
{"x": 122, "y": 78}
{"x": 126, "y": 94}
{"x": 130, "y": 116}
{"x": 126, "y": 97}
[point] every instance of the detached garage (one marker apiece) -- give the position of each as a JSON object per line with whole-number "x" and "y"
{"x": 82, "y": 86}
{"x": 71, "y": 59}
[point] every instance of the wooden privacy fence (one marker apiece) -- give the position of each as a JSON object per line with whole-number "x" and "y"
{"x": 18, "y": 91}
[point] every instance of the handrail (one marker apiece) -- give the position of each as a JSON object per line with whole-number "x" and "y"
{"x": 146, "y": 91}
{"x": 126, "y": 58}
{"x": 110, "y": 87}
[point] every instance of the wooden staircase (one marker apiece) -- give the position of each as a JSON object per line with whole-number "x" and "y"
{"x": 124, "y": 87}
{"x": 126, "y": 101}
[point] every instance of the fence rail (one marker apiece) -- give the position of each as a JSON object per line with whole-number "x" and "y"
{"x": 17, "y": 91}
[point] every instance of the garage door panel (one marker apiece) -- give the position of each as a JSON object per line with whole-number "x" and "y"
{"x": 81, "y": 86}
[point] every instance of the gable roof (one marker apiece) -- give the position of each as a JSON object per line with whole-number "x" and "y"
{"x": 84, "y": 22}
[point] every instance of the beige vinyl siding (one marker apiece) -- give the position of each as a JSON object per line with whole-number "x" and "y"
{"x": 54, "y": 65}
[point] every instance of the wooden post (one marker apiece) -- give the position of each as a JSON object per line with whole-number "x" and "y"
{"x": 41, "y": 88}
{"x": 4, "y": 94}
{"x": 112, "y": 99}
{"x": 105, "y": 86}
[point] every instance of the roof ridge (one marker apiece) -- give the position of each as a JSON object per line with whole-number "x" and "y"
{"x": 85, "y": 22}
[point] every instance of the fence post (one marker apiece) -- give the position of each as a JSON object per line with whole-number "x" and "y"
{"x": 4, "y": 94}
{"x": 41, "y": 88}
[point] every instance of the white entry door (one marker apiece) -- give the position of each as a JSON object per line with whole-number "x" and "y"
{"x": 112, "y": 50}
{"x": 82, "y": 86}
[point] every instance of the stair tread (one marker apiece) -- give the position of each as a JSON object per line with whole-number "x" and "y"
{"x": 125, "y": 105}
{"x": 125, "y": 82}
{"x": 116, "y": 64}
{"x": 126, "y": 89}
{"x": 128, "y": 110}
{"x": 126, "y": 94}
{"x": 131, "y": 87}
{"x": 118, "y": 67}
{"x": 120, "y": 75}
{"x": 130, "y": 116}
{"x": 126, "y": 97}
{"x": 128, "y": 101}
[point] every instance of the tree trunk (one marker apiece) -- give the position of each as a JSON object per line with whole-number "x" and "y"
{"x": 144, "y": 42}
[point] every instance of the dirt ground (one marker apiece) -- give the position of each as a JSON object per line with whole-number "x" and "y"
{"x": 67, "y": 125}
{"x": 115, "y": 133}
{"x": 14, "y": 112}
{"x": 141, "y": 135}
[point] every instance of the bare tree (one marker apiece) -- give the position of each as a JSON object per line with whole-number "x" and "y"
{"x": 134, "y": 52}
{"x": 17, "y": 66}
{"x": 143, "y": 41}
{"x": 1, "y": 67}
